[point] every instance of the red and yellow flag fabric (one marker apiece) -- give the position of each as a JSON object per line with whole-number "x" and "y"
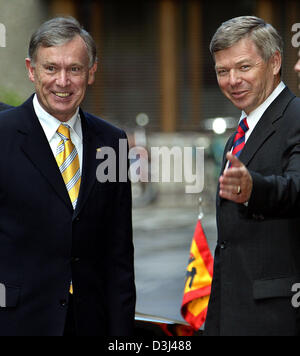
{"x": 198, "y": 280}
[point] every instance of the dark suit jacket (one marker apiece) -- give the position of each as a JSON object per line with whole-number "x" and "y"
{"x": 44, "y": 243}
{"x": 4, "y": 106}
{"x": 257, "y": 258}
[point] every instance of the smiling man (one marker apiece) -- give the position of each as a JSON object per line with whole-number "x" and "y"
{"x": 258, "y": 202}
{"x": 244, "y": 77}
{"x": 66, "y": 251}
{"x": 61, "y": 75}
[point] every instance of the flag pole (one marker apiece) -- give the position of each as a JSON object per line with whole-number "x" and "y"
{"x": 201, "y": 213}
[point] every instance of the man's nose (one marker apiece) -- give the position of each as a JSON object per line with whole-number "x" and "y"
{"x": 62, "y": 79}
{"x": 234, "y": 78}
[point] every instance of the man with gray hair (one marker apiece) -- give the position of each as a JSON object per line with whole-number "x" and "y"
{"x": 257, "y": 258}
{"x": 66, "y": 251}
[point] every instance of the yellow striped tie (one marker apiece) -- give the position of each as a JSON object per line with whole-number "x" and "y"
{"x": 68, "y": 163}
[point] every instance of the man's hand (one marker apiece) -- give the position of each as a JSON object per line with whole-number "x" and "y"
{"x": 236, "y": 182}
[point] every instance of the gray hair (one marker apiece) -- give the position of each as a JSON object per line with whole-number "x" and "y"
{"x": 57, "y": 32}
{"x": 265, "y": 37}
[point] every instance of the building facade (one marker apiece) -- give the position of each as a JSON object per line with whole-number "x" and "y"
{"x": 153, "y": 54}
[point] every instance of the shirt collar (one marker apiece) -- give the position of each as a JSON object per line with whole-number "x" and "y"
{"x": 50, "y": 124}
{"x": 256, "y": 114}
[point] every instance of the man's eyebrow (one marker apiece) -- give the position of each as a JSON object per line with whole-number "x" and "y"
{"x": 49, "y": 63}
{"x": 76, "y": 64}
{"x": 245, "y": 60}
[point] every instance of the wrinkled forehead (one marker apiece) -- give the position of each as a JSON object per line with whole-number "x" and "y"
{"x": 74, "y": 51}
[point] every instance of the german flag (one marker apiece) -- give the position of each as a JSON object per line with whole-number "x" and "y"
{"x": 198, "y": 280}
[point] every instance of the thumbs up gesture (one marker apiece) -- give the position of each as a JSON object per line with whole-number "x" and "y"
{"x": 236, "y": 182}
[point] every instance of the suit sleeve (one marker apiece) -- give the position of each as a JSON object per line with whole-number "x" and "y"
{"x": 278, "y": 196}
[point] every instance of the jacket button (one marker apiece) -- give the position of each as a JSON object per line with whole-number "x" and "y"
{"x": 63, "y": 303}
{"x": 223, "y": 245}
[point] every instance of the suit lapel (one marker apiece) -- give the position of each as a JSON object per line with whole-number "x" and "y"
{"x": 265, "y": 127}
{"x": 91, "y": 141}
{"x": 37, "y": 149}
{"x": 260, "y": 134}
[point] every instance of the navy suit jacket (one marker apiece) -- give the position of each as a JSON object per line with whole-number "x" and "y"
{"x": 257, "y": 258}
{"x": 44, "y": 243}
{"x": 4, "y": 106}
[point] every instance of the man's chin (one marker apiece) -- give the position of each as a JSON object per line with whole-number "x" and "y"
{"x": 238, "y": 104}
{"x": 63, "y": 115}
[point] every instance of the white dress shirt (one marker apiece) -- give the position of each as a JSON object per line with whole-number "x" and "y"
{"x": 50, "y": 125}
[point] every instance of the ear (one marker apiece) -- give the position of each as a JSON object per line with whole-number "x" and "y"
{"x": 30, "y": 69}
{"x": 92, "y": 72}
{"x": 276, "y": 62}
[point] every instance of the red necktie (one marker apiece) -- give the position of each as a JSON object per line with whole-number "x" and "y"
{"x": 239, "y": 139}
